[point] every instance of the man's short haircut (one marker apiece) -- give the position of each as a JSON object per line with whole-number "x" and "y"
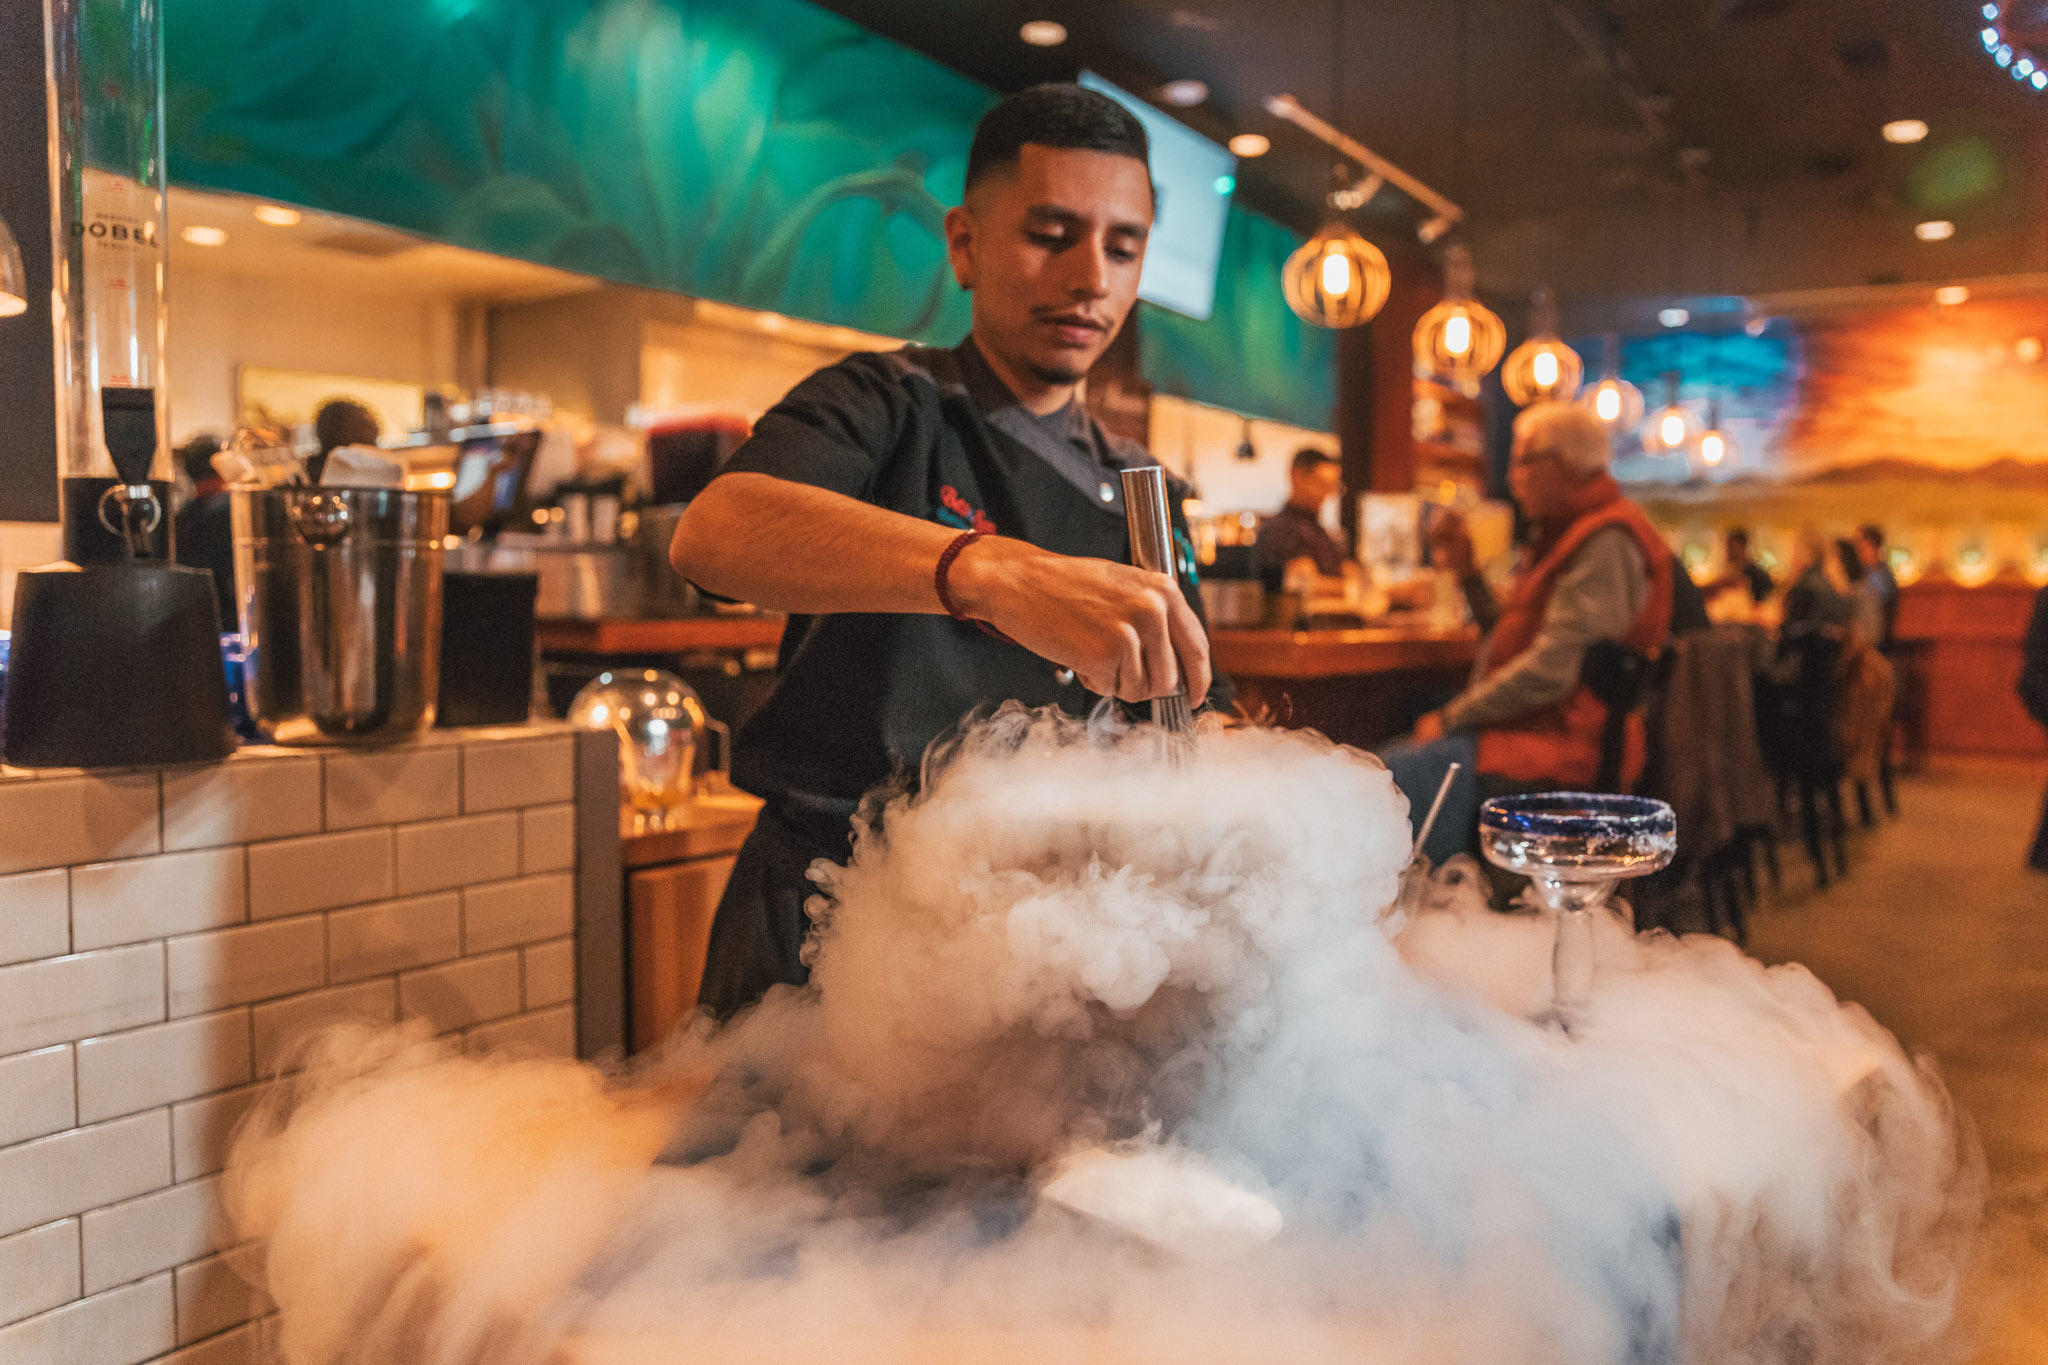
{"x": 1579, "y": 438}
{"x": 345, "y": 422}
{"x": 1740, "y": 533}
{"x": 1874, "y": 534}
{"x": 196, "y": 456}
{"x": 1312, "y": 457}
{"x": 1056, "y": 114}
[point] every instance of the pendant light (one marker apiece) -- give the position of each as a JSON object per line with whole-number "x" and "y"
{"x": 1616, "y": 402}
{"x": 1717, "y": 449}
{"x": 1460, "y": 339}
{"x": 1337, "y": 278}
{"x": 1542, "y": 369}
{"x": 1673, "y": 429}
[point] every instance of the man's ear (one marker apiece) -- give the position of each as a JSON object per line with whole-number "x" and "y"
{"x": 960, "y": 244}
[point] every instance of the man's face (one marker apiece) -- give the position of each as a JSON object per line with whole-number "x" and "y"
{"x": 1052, "y": 248}
{"x": 1540, "y": 480}
{"x": 1738, "y": 549}
{"x": 1317, "y": 484}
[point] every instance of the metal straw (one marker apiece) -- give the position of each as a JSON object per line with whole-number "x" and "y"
{"x": 1152, "y": 549}
{"x": 1429, "y": 821}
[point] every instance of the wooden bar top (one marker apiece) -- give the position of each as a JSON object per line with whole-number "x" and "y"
{"x": 677, "y": 635}
{"x": 1269, "y": 653}
{"x": 716, "y": 822}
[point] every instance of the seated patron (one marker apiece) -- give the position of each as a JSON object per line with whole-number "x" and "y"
{"x": 1594, "y": 569}
{"x": 1742, "y": 572}
{"x": 1295, "y": 532}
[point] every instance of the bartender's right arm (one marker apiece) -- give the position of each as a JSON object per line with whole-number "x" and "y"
{"x": 789, "y": 528}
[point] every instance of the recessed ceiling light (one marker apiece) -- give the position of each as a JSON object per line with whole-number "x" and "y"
{"x": 1185, "y": 94}
{"x": 1935, "y": 230}
{"x": 1905, "y": 130}
{"x": 205, "y": 236}
{"x": 1250, "y": 145}
{"x": 1949, "y": 295}
{"x": 1043, "y": 33}
{"x": 277, "y": 215}
{"x": 1673, "y": 317}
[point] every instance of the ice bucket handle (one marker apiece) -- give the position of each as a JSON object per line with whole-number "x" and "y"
{"x": 321, "y": 519}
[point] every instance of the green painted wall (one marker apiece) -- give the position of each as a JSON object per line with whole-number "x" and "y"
{"x": 760, "y": 152}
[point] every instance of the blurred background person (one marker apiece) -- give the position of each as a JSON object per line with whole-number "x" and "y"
{"x": 341, "y": 422}
{"x": 1819, "y": 593}
{"x": 1296, "y": 531}
{"x": 204, "y": 534}
{"x": 1742, "y": 571}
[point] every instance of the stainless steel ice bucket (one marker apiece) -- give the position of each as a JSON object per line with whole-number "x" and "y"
{"x": 339, "y": 594}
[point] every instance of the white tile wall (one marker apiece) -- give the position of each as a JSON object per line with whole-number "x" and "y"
{"x": 282, "y": 1023}
{"x": 502, "y": 914}
{"x": 252, "y": 962}
{"x": 146, "y": 1068}
{"x": 319, "y": 872}
{"x": 36, "y": 1094}
{"x": 143, "y": 898}
{"x": 390, "y": 785}
{"x": 259, "y": 796}
{"x": 445, "y": 853}
{"x": 458, "y": 994}
{"x": 550, "y": 972}
{"x": 528, "y": 773}
{"x": 120, "y": 1327}
{"x": 34, "y": 915}
{"x": 38, "y": 1270}
{"x": 157, "y": 1231}
{"x": 70, "y": 1172}
{"x": 61, "y": 999}
{"x": 151, "y": 983}
{"x": 63, "y": 821}
{"x": 547, "y": 839}
{"x": 375, "y": 939}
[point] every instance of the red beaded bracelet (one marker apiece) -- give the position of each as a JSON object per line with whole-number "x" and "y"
{"x": 946, "y": 558}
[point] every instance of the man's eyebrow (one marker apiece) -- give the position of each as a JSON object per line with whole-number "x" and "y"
{"x": 1066, "y": 217}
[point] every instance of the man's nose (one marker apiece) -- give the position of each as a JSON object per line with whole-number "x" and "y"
{"x": 1090, "y": 271}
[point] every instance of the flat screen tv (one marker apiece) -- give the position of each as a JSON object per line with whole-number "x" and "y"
{"x": 1194, "y": 178}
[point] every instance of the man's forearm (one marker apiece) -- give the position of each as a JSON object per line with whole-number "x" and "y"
{"x": 789, "y": 547}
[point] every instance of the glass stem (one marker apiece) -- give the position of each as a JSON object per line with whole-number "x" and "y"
{"x": 1571, "y": 960}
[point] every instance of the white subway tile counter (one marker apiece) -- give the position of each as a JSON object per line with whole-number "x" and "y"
{"x": 168, "y": 938}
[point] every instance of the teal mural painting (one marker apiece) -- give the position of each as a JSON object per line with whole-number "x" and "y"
{"x": 766, "y": 153}
{"x": 1253, "y": 355}
{"x": 761, "y": 152}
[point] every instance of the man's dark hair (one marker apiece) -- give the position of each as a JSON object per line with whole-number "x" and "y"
{"x": 1735, "y": 533}
{"x": 345, "y": 422}
{"x": 1874, "y": 535}
{"x": 196, "y": 457}
{"x": 1310, "y": 457}
{"x": 1056, "y": 114}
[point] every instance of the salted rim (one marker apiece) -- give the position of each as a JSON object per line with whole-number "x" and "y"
{"x": 1578, "y": 813}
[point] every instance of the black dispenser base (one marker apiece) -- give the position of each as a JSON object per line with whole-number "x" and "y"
{"x": 115, "y": 666}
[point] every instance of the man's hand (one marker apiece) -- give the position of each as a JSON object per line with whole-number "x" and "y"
{"x": 1429, "y": 727}
{"x": 1125, "y": 632}
{"x": 1450, "y": 543}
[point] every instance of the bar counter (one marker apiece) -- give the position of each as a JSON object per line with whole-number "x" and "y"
{"x": 1363, "y": 686}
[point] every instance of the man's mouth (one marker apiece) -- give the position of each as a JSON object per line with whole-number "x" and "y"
{"x": 1073, "y": 329}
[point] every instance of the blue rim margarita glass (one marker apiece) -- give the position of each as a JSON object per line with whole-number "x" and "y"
{"x": 1574, "y": 847}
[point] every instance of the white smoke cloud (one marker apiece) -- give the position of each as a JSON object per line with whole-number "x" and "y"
{"x": 1068, "y": 943}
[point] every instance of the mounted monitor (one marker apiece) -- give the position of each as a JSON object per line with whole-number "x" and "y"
{"x": 1194, "y": 178}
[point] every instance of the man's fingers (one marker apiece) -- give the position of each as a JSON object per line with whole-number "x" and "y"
{"x": 1155, "y": 636}
{"x": 1191, "y": 646}
{"x": 1131, "y": 681}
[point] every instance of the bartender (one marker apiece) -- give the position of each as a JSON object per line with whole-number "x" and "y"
{"x": 945, "y": 527}
{"x": 1295, "y": 532}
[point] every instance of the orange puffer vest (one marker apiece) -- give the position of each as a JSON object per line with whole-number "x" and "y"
{"x": 1561, "y": 742}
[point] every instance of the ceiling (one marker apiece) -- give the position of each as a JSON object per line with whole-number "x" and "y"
{"x": 1618, "y": 149}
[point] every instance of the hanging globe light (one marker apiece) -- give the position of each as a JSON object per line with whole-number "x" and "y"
{"x": 1673, "y": 429}
{"x": 1460, "y": 339}
{"x": 1616, "y": 402}
{"x": 1337, "y": 278}
{"x": 1717, "y": 449}
{"x": 1542, "y": 369}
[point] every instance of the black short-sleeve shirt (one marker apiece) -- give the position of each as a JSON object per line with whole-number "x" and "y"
{"x": 933, "y": 434}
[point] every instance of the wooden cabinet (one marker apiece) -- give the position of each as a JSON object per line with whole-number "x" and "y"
{"x": 1966, "y": 662}
{"x": 674, "y": 877}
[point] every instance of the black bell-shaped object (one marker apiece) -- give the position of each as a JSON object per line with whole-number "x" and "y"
{"x": 115, "y": 666}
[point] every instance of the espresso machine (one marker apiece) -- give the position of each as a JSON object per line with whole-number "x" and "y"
{"x": 116, "y": 652}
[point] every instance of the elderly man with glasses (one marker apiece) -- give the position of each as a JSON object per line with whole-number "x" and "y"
{"x": 1594, "y": 568}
